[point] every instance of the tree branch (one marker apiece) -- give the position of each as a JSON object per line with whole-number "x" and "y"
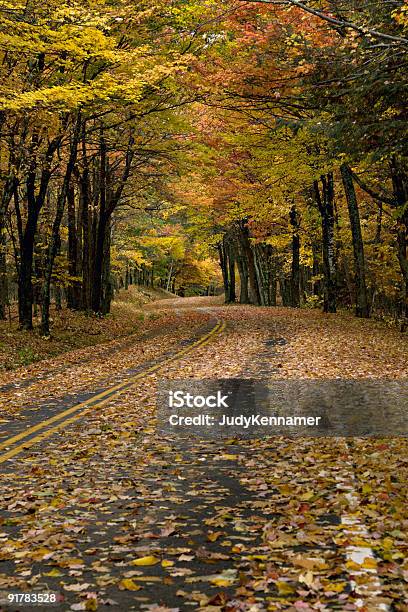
{"x": 340, "y": 23}
{"x": 376, "y": 196}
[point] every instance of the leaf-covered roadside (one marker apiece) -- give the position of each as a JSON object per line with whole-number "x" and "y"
{"x": 96, "y": 367}
{"x": 72, "y": 331}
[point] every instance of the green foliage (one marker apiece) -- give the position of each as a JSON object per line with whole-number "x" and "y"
{"x": 27, "y": 356}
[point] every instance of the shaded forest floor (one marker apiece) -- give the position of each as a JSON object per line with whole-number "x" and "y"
{"x": 74, "y": 330}
{"x": 113, "y": 515}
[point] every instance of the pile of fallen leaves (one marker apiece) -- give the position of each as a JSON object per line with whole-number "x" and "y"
{"x": 72, "y": 330}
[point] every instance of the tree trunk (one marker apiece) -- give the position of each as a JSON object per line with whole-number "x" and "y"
{"x": 224, "y": 268}
{"x": 316, "y": 269}
{"x": 55, "y": 236}
{"x": 3, "y": 269}
{"x": 262, "y": 273}
{"x": 362, "y": 304}
{"x": 295, "y": 274}
{"x": 169, "y": 278}
{"x": 100, "y": 232}
{"x": 25, "y": 285}
{"x": 107, "y": 285}
{"x": 231, "y": 272}
{"x": 325, "y": 204}
{"x": 4, "y": 204}
{"x": 35, "y": 203}
{"x": 273, "y": 288}
{"x": 73, "y": 289}
{"x": 249, "y": 254}
{"x": 243, "y": 276}
{"x": 285, "y": 290}
{"x": 400, "y": 187}
{"x": 86, "y": 225}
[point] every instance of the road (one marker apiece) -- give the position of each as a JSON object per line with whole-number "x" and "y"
{"x": 101, "y": 509}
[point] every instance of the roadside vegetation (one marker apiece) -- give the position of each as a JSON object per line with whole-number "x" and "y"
{"x": 74, "y": 330}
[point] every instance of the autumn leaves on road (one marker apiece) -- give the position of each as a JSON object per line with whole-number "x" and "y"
{"x": 107, "y": 513}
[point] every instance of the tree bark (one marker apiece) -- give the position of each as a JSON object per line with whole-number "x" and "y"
{"x": 86, "y": 224}
{"x": 55, "y": 236}
{"x": 243, "y": 277}
{"x": 249, "y": 254}
{"x": 25, "y": 285}
{"x": 224, "y": 268}
{"x": 295, "y": 273}
{"x": 107, "y": 285}
{"x": 73, "y": 289}
{"x": 3, "y": 270}
{"x": 108, "y": 201}
{"x": 325, "y": 203}
{"x": 231, "y": 272}
{"x": 101, "y": 231}
{"x": 362, "y": 304}
{"x": 35, "y": 203}
{"x": 400, "y": 188}
{"x": 4, "y": 203}
{"x": 169, "y": 277}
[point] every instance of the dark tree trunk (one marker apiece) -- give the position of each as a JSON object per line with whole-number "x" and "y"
{"x": 87, "y": 242}
{"x": 108, "y": 201}
{"x": 273, "y": 288}
{"x": 3, "y": 277}
{"x": 224, "y": 268}
{"x": 4, "y": 300}
{"x": 98, "y": 263}
{"x": 400, "y": 188}
{"x": 73, "y": 289}
{"x": 265, "y": 267}
{"x": 55, "y": 236}
{"x": 4, "y": 204}
{"x": 100, "y": 232}
{"x": 325, "y": 204}
{"x": 107, "y": 285}
{"x": 249, "y": 254}
{"x": 295, "y": 275}
{"x": 243, "y": 276}
{"x": 362, "y": 304}
{"x": 285, "y": 290}
{"x": 25, "y": 285}
{"x": 260, "y": 275}
{"x": 231, "y": 272}
{"x": 35, "y": 203}
{"x": 316, "y": 269}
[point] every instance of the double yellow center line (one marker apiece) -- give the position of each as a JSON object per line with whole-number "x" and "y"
{"x": 24, "y": 440}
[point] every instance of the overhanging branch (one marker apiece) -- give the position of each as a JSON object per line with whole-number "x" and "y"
{"x": 376, "y": 196}
{"x": 339, "y": 23}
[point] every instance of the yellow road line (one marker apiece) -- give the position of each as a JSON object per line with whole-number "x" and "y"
{"x": 103, "y": 394}
{"x": 93, "y": 402}
{"x": 46, "y": 434}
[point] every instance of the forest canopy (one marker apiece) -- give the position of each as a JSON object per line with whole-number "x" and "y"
{"x": 256, "y": 144}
